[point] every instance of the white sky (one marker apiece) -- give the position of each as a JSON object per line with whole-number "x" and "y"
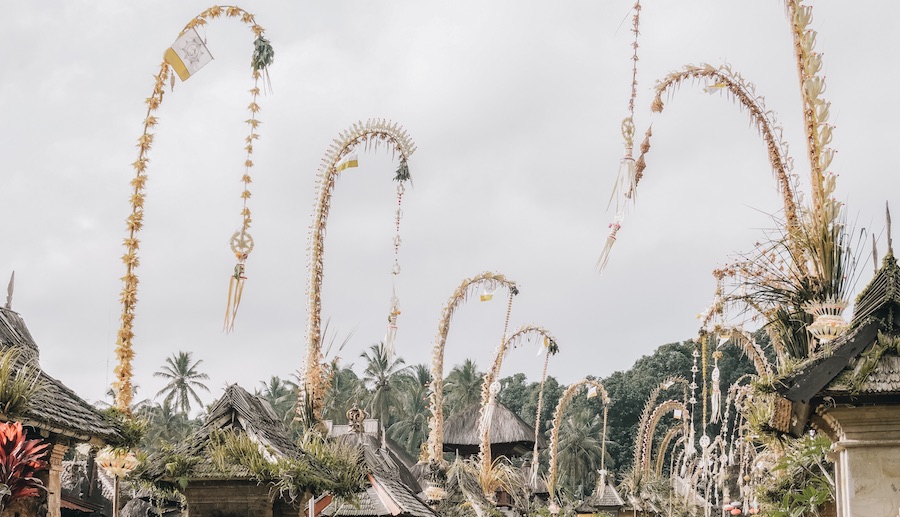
{"x": 515, "y": 108}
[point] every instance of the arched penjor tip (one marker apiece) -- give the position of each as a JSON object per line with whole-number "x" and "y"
{"x": 185, "y": 57}
{"x": 593, "y": 389}
{"x": 341, "y": 155}
{"x": 491, "y": 387}
{"x": 813, "y": 248}
{"x": 481, "y": 285}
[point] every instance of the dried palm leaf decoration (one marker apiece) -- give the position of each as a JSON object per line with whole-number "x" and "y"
{"x": 186, "y": 56}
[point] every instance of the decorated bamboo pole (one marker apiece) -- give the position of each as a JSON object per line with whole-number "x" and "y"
{"x": 373, "y": 133}
{"x": 649, "y": 406}
{"x": 184, "y": 58}
{"x": 485, "y": 283}
{"x": 594, "y": 388}
{"x": 812, "y": 254}
{"x": 490, "y": 386}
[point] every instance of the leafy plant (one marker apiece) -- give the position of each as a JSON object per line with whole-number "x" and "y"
{"x": 20, "y": 462}
{"x": 802, "y": 480}
{"x": 322, "y": 466}
{"x": 131, "y": 428}
{"x": 19, "y": 382}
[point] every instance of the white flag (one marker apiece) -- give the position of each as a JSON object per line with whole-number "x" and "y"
{"x": 188, "y": 54}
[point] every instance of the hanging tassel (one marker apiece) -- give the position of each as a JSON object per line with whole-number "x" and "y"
{"x": 235, "y": 291}
{"x": 241, "y": 244}
{"x": 716, "y": 399}
{"x": 626, "y": 182}
{"x": 391, "y": 335}
{"x": 614, "y": 228}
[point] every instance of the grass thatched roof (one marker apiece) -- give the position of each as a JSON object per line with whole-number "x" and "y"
{"x": 510, "y": 435}
{"x": 392, "y": 488}
{"x": 54, "y": 408}
{"x": 239, "y": 411}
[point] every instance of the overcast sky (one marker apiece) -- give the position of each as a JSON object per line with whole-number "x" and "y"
{"x": 515, "y": 107}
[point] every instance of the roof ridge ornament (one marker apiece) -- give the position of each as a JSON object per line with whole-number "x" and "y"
{"x": 9, "y": 290}
{"x": 890, "y": 241}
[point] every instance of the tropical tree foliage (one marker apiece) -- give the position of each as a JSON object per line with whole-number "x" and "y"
{"x": 183, "y": 378}
{"x": 281, "y": 395}
{"x": 462, "y": 387}
{"x": 580, "y": 451}
{"x": 412, "y": 430}
{"x": 384, "y": 378}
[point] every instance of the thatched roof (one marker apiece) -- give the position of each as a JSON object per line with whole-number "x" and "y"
{"x": 387, "y": 494}
{"x": 510, "y": 435}
{"x": 239, "y": 411}
{"x": 55, "y": 408}
{"x": 373, "y": 434}
{"x": 877, "y": 311}
{"x": 600, "y": 500}
{"x": 392, "y": 488}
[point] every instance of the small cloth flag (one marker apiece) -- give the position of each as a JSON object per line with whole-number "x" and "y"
{"x": 351, "y": 160}
{"x": 188, "y": 54}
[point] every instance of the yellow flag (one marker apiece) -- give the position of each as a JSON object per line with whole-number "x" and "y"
{"x": 351, "y": 160}
{"x": 188, "y": 54}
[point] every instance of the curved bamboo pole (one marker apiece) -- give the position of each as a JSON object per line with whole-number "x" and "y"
{"x": 655, "y": 417}
{"x": 650, "y": 405}
{"x": 134, "y": 222}
{"x": 374, "y": 132}
{"x": 557, "y": 421}
{"x": 488, "y": 397}
{"x": 670, "y": 435}
{"x": 825, "y": 209}
{"x": 468, "y": 287}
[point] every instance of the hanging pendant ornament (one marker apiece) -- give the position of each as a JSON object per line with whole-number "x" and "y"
{"x": 391, "y": 336}
{"x": 716, "y": 399}
{"x": 241, "y": 244}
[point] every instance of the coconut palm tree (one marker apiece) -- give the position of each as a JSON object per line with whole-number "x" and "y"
{"x": 411, "y": 430}
{"x": 383, "y": 377}
{"x": 281, "y": 395}
{"x": 580, "y": 450}
{"x": 345, "y": 390}
{"x": 166, "y": 425}
{"x": 183, "y": 378}
{"x": 462, "y": 388}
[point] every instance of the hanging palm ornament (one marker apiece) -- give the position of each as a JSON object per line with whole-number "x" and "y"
{"x": 402, "y": 175}
{"x": 629, "y": 170}
{"x": 341, "y": 155}
{"x": 184, "y": 58}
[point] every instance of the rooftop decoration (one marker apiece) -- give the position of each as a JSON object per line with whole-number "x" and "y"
{"x": 186, "y": 56}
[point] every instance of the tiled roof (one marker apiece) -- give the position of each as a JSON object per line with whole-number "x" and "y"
{"x": 55, "y": 408}
{"x": 884, "y": 379}
{"x": 392, "y": 488}
{"x": 610, "y": 498}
